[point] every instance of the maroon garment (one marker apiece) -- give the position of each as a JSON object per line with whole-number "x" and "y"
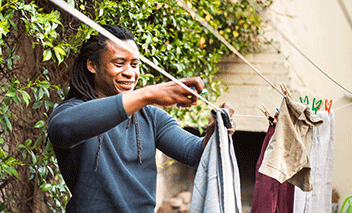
{"x": 269, "y": 195}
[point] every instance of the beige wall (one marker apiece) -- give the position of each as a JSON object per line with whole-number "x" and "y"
{"x": 321, "y": 32}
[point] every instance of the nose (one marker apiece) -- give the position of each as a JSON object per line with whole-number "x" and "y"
{"x": 128, "y": 72}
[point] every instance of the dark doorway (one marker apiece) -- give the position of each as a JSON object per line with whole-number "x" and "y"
{"x": 247, "y": 147}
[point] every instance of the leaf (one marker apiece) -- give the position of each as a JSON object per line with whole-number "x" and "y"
{"x": 37, "y": 142}
{"x": 24, "y": 155}
{"x": 10, "y": 170}
{"x": 31, "y": 176}
{"x": 33, "y": 156}
{"x": 39, "y": 124}
{"x": 35, "y": 92}
{"x": 9, "y": 14}
{"x": 3, "y": 206}
{"x": 14, "y": 171}
{"x": 37, "y": 104}
{"x": 48, "y": 105}
{"x": 44, "y": 84}
{"x": 8, "y": 123}
{"x": 21, "y": 146}
{"x": 46, "y": 92}
{"x": 9, "y": 63}
{"x": 59, "y": 50}
{"x": 11, "y": 161}
{"x": 16, "y": 57}
{"x": 45, "y": 187}
{"x": 6, "y": 101}
{"x": 13, "y": 25}
{"x": 40, "y": 94}
{"x": 71, "y": 3}
{"x": 26, "y": 97}
{"x": 16, "y": 99}
{"x": 4, "y": 109}
{"x": 28, "y": 143}
{"x": 58, "y": 56}
{"x": 2, "y": 153}
{"x": 8, "y": 51}
{"x": 45, "y": 71}
{"x": 201, "y": 42}
{"x": 11, "y": 92}
{"x": 47, "y": 55}
{"x": 48, "y": 44}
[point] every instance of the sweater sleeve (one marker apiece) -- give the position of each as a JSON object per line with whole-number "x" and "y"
{"x": 74, "y": 121}
{"x": 176, "y": 142}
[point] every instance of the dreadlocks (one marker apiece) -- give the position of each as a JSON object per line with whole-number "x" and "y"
{"x": 82, "y": 81}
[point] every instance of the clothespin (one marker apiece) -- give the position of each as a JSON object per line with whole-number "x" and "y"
{"x": 285, "y": 91}
{"x": 267, "y": 114}
{"x": 204, "y": 91}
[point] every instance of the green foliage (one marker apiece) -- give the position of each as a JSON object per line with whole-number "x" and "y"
{"x": 35, "y": 155}
{"x": 166, "y": 34}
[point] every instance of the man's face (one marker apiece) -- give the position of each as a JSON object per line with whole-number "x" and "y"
{"x": 118, "y": 70}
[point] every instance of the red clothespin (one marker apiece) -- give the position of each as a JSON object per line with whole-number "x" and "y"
{"x": 328, "y": 105}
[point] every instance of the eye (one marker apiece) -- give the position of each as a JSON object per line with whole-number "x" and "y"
{"x": 119, "y": 63}
{"x": 135, "y": 64}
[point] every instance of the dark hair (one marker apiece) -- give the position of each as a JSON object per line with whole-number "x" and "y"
{"x": 82, "y": 80}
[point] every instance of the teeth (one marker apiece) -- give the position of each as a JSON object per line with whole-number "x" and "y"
{"x": 125, "y": 83}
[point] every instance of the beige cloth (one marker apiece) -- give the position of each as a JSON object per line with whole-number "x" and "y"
{"x": 287, "y": 157}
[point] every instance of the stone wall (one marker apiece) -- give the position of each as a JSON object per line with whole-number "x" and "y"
{"x": 248, "y": 90}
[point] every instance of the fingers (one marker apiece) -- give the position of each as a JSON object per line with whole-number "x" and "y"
{"x": 197, "y": 85}
{"x": 170, "y": 93}
{"x": 230, "y": 111}
{"x": 195, "y": 82}
{"x": 233, "y": 129}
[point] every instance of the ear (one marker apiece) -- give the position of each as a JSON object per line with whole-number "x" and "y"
{"x": 91, "y": 66}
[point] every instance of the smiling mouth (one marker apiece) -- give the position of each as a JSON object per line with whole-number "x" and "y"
{"x": 125, "y": 82}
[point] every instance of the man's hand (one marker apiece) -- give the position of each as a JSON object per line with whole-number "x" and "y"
{"x": 170, "y": 93}
{"x": 211, "y": 124}
{"x": 164, "y": 94}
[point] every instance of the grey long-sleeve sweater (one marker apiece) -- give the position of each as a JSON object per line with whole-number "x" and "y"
{"x": 98, "y": 156}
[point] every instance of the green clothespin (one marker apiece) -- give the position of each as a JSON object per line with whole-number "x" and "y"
{"x": 305, "y": 100}
{"x": 316, "y": 105}
{"x": 349, "y": 209}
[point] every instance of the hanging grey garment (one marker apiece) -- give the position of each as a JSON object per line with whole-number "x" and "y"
{"x": 322, "y": 162}
{"x": 216, "y": 186}
{"x": 287, "y": 156}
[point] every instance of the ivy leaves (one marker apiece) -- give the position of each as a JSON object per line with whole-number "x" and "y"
{"x": 38, "y": 158}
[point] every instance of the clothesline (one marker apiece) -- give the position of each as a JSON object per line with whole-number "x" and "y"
{"x": 342, "y": 107}
{"x": 225, "y": 42}
{"x": 228, "y": 45}
{"x": 255, "y": 116}
{"x": 345, "y": 12}
{"x": 261, "y": 12}
{"x": 106, "y": 33}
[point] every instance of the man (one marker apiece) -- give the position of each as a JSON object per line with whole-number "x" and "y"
{"x": 105, "y": 133}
